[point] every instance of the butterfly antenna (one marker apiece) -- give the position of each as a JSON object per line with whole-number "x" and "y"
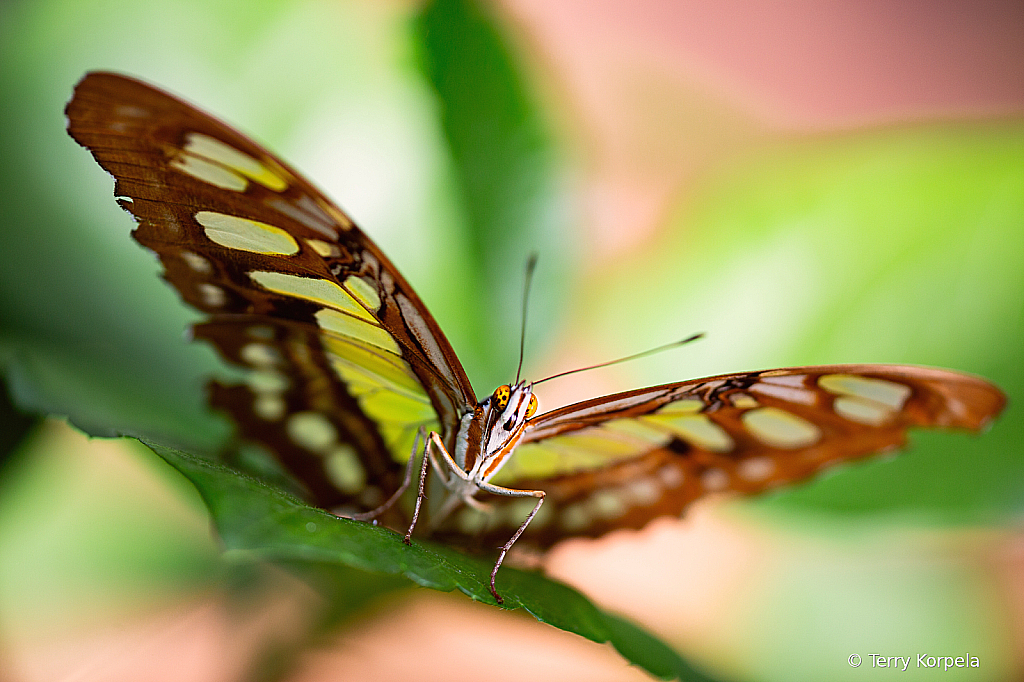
{"x": 531, "y": 265}
{"x": 652, "y": 351}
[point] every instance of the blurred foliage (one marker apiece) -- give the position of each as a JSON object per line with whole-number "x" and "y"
{"x": 503, "y": 162}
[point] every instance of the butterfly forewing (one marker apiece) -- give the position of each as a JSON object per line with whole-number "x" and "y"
{"x": 346, "y": 362}
{"x": 622, "y": 460}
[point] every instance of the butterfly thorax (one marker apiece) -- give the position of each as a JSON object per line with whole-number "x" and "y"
{"x": 488, "y": 435}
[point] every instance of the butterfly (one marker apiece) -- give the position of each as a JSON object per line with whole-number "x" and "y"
{"x": 351, "y": 384}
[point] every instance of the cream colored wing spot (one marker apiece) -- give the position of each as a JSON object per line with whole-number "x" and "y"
{"x": 334, "y": 322}
{"x": 324, "y": 248}
{"x": 714, "y": 480}
{"x": 780, "y": 429}
{"x": 260, "y": 355}
{"x": 212, "y": 149}
{"x": 313, "y": 289}
{"x": 196, "y": 262}
{"x": 607, "y": 505}
{"x": 756, "y": 469}
{"x": 311, "y": 430}
{"x": 642, "y": 492}
{"x": 695, "y": 429}
{"x": 246, "y": 235}
{"x": 886, "y": 393}
{"x": 267, "y": 381}
{"x": 671, "y": 476}
{"x": 210, "y": 173}
{"x": 269, "y": 407}
{"x": 131, "y": 111}
{"x": 344, "y": 470}
{"x": 862, "y": 411}
{"x": 575, "y": 517}
{"x": 213, "y": 295}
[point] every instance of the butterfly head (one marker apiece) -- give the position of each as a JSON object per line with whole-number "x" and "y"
{"x": 510, "y": 406}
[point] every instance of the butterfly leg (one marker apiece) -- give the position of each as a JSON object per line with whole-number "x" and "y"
{"x": 511, "y": 492}
{"x": 374, "y": 513}
{"x": 432, "y": 446}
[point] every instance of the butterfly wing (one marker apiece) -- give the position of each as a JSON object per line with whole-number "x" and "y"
{"x": 623, "y": 460}
{"x": 344, "y": 361}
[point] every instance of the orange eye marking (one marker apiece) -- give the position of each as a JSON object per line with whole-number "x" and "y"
{"x": 501, "y": 395}
{"x": 531, "y": 409}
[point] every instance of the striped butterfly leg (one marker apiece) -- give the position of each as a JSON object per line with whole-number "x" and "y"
{"x": 428, "y": 458}
{"x": 432, "y": 446}
{"x": 511, "y": 492}
{"x": 374, "y": 513}
{"x": 462, "y": 488}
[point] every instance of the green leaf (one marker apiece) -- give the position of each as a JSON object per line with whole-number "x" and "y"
{"x": 260, "y": 523}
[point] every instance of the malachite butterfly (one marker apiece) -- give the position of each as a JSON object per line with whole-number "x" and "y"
{"x": 350, "y": 380}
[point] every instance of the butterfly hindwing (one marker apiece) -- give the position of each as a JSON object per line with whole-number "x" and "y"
{"x": 623, "y": 460}
{"x": 345, "y": 361}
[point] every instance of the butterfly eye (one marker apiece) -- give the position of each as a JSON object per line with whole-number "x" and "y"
{"x": 501, "y": 396}
{"x": 531, "y": 409}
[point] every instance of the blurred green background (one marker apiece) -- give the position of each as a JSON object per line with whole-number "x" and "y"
{"x": 899, "y": 242}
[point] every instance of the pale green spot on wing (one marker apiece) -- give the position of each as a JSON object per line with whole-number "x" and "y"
{"x": 344, "y": 469}
{"x": 340, "y": 324}
{"x": 368, "y": 368}
{"x": 210, "y": 173}
{"x": 779, "y": 428}
{"x": 364, "y": 292}
{"x": 246, "y": 235}
{"x": 862, "y": 411}
{"x": 696, "y": 429}
{"x": 214, "y": 150}
{"x": 313, "y": 289}
{"x": 311, "y": 430}
{"x": 887, "y": 393}
{"x": 384, "y": 385}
